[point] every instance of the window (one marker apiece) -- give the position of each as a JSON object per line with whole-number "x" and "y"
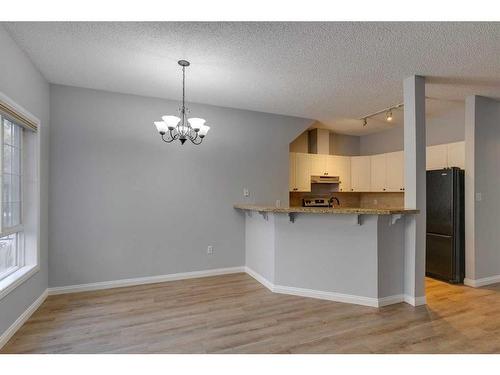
{"x": 11, "y": 251}
{"x": 19, "y": 195}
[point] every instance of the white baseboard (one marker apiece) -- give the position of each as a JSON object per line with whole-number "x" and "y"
{"x": 415, "y": 301}
{"x": 476, "y": 283}
{"x": 22, "y": 319}
{"x": 143, "y": 280}
{"x": 330, "y": 296}
{"x": 261, "y": 279}
{"x": 391, "y": 300}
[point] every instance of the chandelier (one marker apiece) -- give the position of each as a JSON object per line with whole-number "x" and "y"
{"x": 182, "y": 128}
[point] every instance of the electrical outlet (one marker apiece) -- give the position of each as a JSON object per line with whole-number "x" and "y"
{"x": 210, "y": 250}
{"x": 479, "y": 197}
{"x": 246, "y": 193}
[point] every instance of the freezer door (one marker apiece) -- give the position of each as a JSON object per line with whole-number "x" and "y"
{"x": 439, "y": 258}
{"x": 440, "y": 202}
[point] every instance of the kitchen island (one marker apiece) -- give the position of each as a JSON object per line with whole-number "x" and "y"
{"x": 353, "y": 255}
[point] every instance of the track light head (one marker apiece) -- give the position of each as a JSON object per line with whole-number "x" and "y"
{"x": 388, "y": 115}
{"x": 365, "y": 122}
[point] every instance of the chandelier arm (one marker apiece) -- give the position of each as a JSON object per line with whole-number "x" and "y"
{"x": 166, "y": 140}
{"x": 173, "y": 136}
{"x": 194, "y": 140}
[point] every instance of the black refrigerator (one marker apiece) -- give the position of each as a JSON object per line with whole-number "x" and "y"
{"x": 445, "y": 243}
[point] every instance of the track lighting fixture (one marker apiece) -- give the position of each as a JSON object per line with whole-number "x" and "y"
{"x": 387, "y": 111}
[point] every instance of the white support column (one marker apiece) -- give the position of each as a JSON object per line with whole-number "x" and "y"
{"x": 415, "y": 189}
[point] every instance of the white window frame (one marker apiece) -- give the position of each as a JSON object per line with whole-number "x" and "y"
{"x": 29, "y": 237}
{"x": 18, "y": 230}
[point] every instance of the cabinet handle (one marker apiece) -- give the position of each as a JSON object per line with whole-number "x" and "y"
{"x": 383, "y": 189}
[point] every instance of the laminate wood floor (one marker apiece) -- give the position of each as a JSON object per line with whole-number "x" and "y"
{"x": 235, "y": 314}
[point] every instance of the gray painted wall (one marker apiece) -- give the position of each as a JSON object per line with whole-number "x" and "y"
{"x": 344, "y": 145}
{"x": 22, "y": 82}
{"x": 260, "y": 244}
{"x": 124, "y": 204}
{"x": 339, "y": 144}
{"x": 445, "y": 127}
{"x": 483, "y": 133}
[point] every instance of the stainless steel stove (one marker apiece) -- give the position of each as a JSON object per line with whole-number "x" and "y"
{"x": 315, "y": 202}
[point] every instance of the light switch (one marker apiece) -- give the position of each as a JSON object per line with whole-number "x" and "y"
{"x": 479, "y": 197}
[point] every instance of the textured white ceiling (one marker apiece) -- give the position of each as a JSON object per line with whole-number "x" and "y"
{"x": 333, "y": 72}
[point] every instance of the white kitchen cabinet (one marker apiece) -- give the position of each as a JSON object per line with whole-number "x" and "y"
{"x": 377, "y": 172}
{"x": 292, "y": 167}
{"x": 303, "y": 172}
{"x": 437, "y": 157}
{"x": 456, "y": 154}
{"x": 360, "y": 173}
{"x": 395, "y": 167}
{"x": 340, "y": 166}
{"x": 300, "y": 172}
{"x": 319, "y": 164}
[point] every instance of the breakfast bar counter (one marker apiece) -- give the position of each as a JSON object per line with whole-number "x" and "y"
{"x": 327, "y": 210}
{"x": 352, "y": 255}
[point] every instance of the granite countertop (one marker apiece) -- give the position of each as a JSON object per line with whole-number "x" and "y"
{"x": 325, "y": 210}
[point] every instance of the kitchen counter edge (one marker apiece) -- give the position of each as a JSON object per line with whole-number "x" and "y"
{"x": 324, "y": 210}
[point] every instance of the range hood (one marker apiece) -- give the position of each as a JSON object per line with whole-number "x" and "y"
{"x": 325, "y": 180}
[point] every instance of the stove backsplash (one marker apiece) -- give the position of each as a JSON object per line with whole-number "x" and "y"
{"x": 363, "y": 200}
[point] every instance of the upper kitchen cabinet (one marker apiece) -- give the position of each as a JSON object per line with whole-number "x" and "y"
{"x": 437, "y": 157}
{"x": 456, "y": 154}
{"x": 446, "y": 156}
{"x": 395, "y": 166}
{"x": 378, "y": 172}
{"x": 340, "y": 166}
{"x": 292, "y": 167}
{"x": 300, "y": 172}
{"x": 360, "y": 173}
{"x": 319, "y": 164}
